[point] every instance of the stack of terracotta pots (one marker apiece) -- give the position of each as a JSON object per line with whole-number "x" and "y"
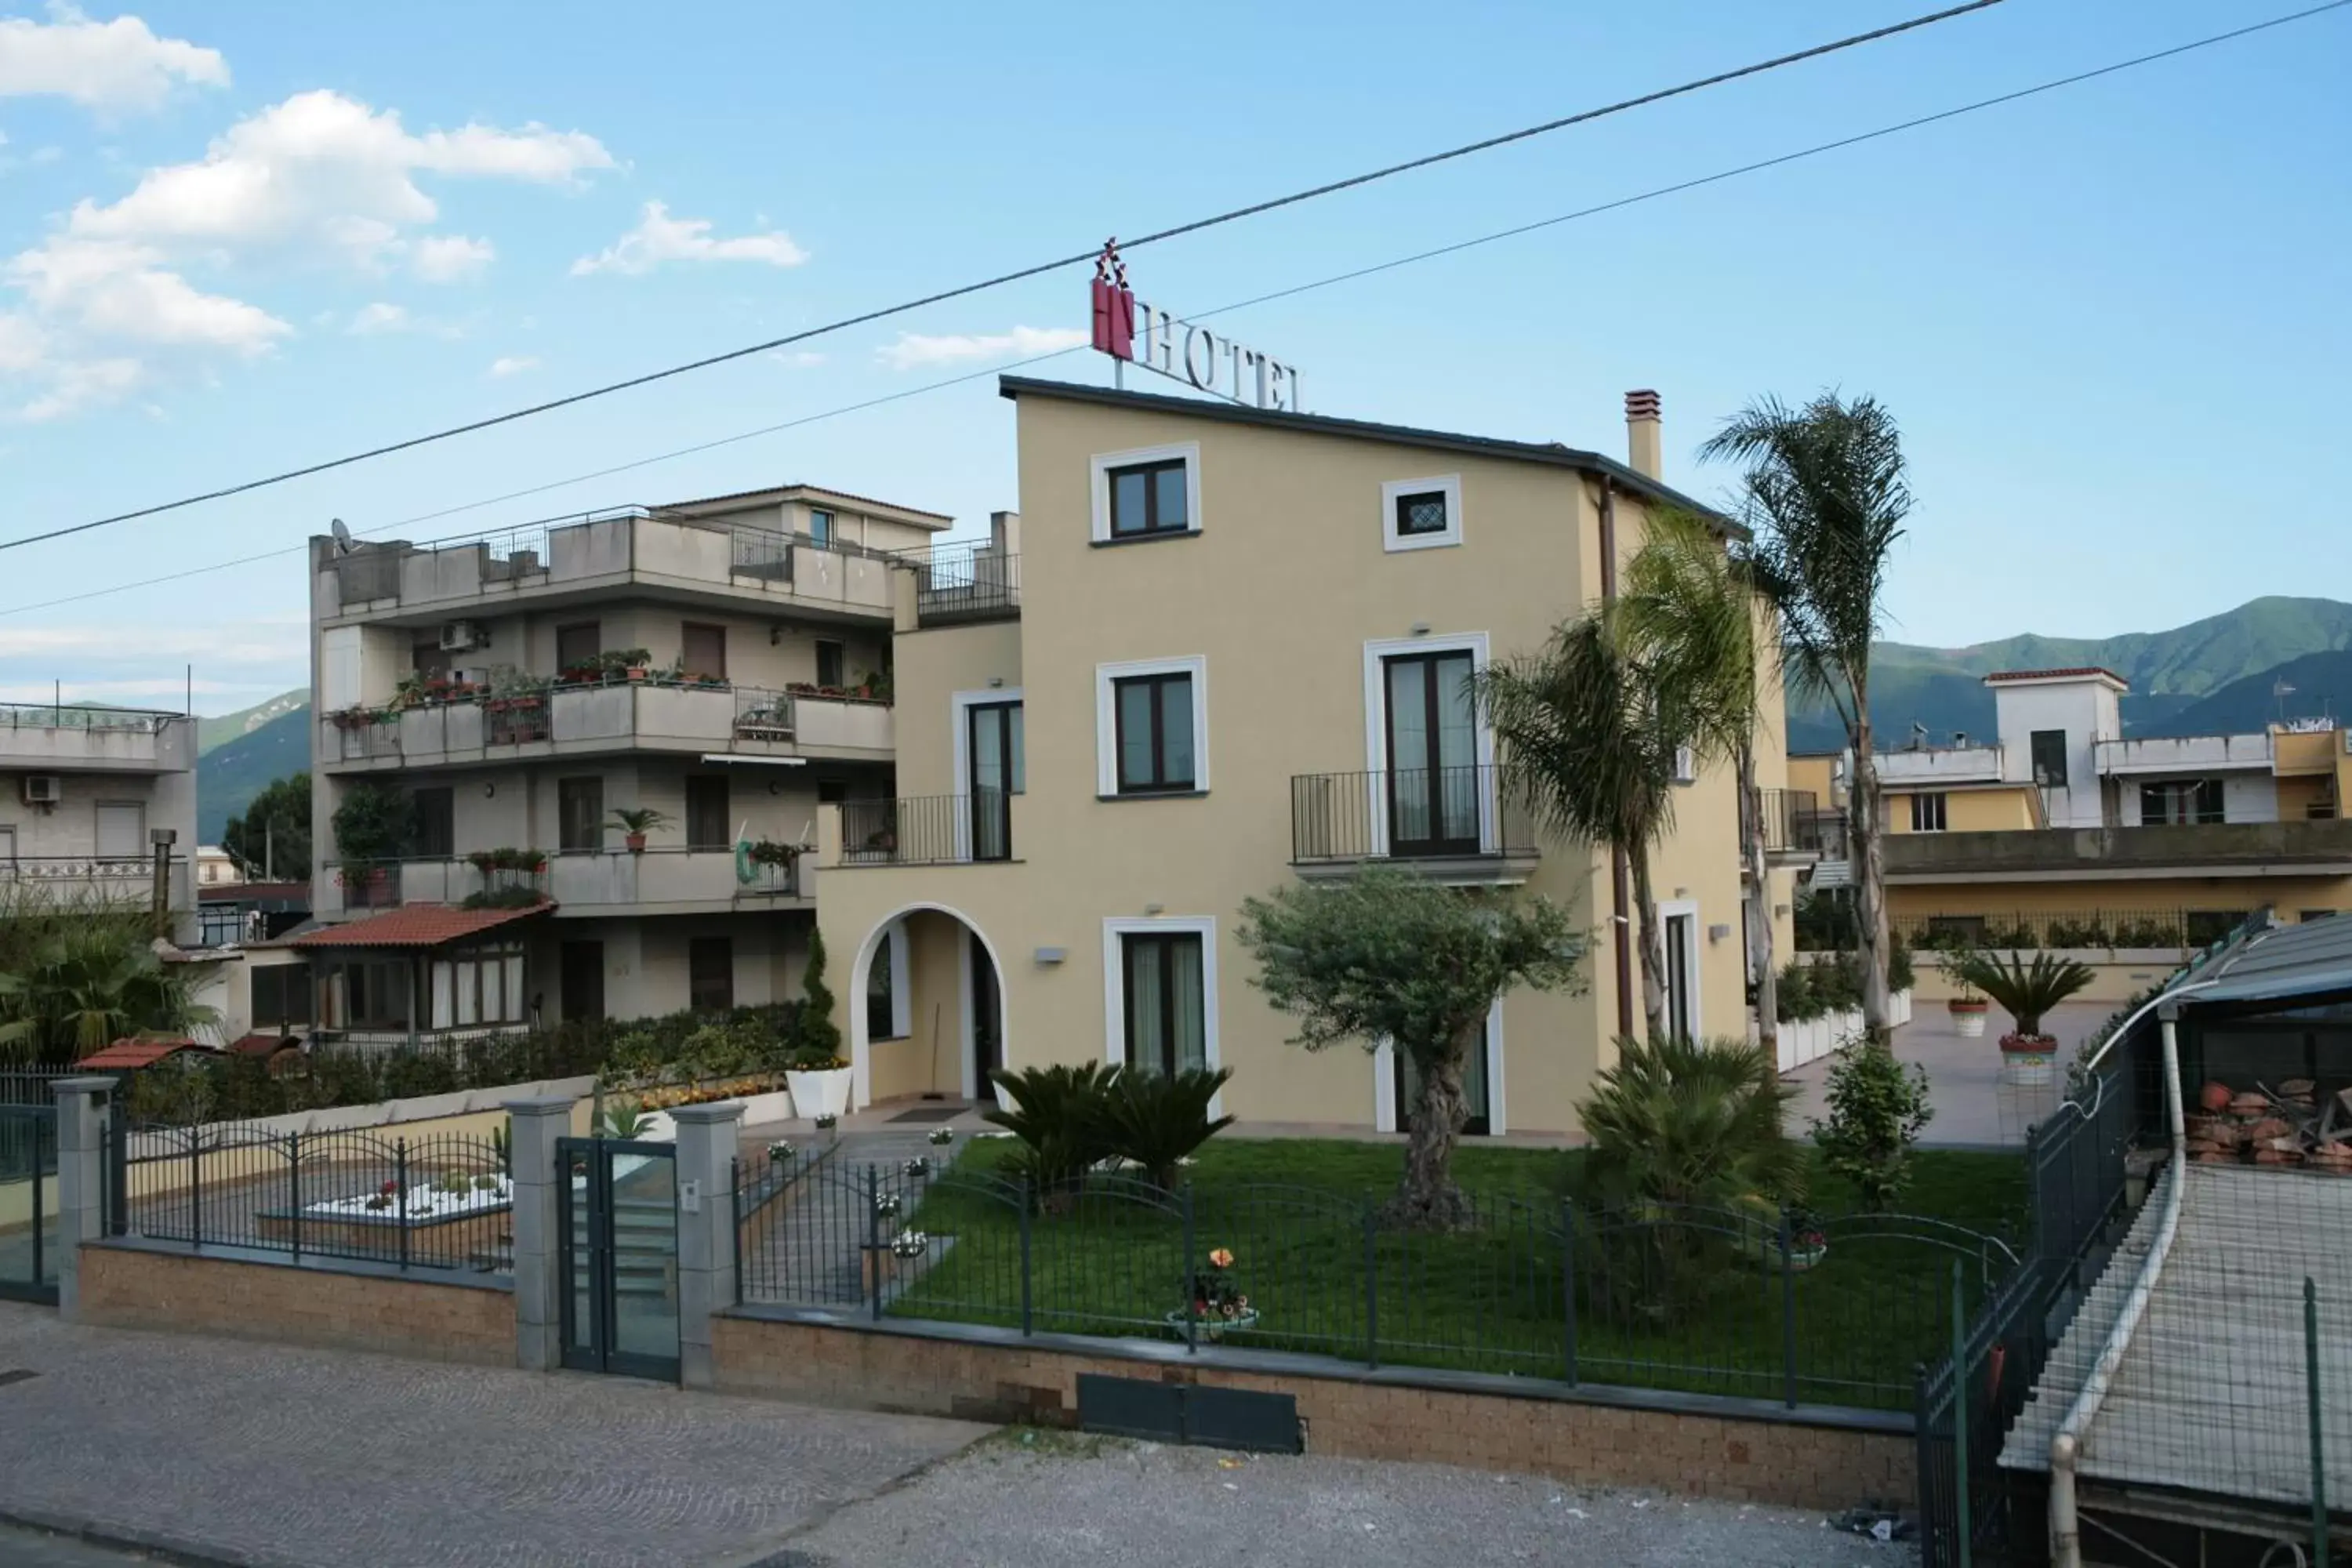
{"x": 2262, "y": 1126}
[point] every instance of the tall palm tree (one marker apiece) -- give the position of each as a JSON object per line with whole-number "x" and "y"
{"x": 82, "y": 987}
{"x": 1690, "y": 610}
{"x": 1825, "y": 494}
{"x": 1589, "y": 740}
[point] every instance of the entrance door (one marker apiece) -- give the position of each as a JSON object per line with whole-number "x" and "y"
{"x": 994, "y": 747}
{"x": 1480, "y": 1121}
{"x": 987, "y": 1016}
{"x": 582, "y": 988}
{"x": 1432, "y": 734}
{"x": 618, "y": 1232}
{"x": 1682, "y": 1009}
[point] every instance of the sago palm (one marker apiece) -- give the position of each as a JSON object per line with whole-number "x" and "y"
{"x": 2025, "y": 991}
{"x": 1678, "y": 1120}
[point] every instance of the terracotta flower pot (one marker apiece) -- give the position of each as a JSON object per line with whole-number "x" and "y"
{"x": 1968, "y": 1017}
{"x": 635, "y": 841}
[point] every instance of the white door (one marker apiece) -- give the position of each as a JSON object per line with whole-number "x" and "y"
{"x": 121, "y": 830}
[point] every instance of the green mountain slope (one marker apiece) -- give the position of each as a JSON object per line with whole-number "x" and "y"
{"x": 224, "y": 728}
{"x": 231, "y": 774}
{"x": 2169, "y": 671}
{"x": 2322, "y": 687}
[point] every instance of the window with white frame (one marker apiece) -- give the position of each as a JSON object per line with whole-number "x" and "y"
{"x": 1151, "y": 727}
{"x": 1420, "y": 514}
{"x": 1928, "y": 813}
{"x": 1149, "y": 492}
{"x": 1159, "y": 993}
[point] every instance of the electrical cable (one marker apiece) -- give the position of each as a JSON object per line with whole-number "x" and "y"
{"x": 1017, "y": 275}
{"x": 2053, "y": 84}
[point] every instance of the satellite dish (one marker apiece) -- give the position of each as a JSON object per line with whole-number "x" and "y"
{"x": 342, "y": 535}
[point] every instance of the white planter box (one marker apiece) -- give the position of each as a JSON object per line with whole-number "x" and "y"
{"x": 818, "y": 1094}
{"x": 1808, "y": 1041}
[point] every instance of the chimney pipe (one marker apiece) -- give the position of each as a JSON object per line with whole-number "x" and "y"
{"x": 1643, "y": 434}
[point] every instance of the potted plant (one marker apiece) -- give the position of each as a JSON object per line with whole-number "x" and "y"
{"x": 1216, "y": 1305}
{"x": 634, "y": 822}
{"x": 817, "y": 1072}
{"x": 1968, "y": 1006}
{"x": 2026, "y": 990}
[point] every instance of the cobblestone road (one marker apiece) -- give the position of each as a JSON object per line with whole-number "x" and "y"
{"x": 278, "y": 1456}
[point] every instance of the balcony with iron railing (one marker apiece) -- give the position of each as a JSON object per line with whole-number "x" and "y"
{"x": 960, "y": 583}
{"x": 1934, "y": 766}
{"x": 583, "y": 883}
{"x": 696, "y": 717}
{"x": 1459, "y": 824}
{"x": 598, "y": 552}
{"x": 1796, "y": 828}
{"x": 36, "y": 738}
{"x": 72, "y": 880}
{"x": 927, "y": 830}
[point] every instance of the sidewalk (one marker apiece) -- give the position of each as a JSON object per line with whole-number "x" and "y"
{"x": 1973, "y": 1108}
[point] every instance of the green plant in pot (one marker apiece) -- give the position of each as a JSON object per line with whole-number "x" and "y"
{"x": 2026, "y": 989}
{"x": 1967, "y": 1005}
{"x": 634, "y": 822}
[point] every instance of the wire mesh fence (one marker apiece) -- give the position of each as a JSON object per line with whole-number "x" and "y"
{"x": 443, "y": 1201}
{"x": 1755, "y": 1303}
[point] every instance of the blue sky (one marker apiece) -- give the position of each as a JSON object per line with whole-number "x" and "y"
{"x": 243, "y": 238}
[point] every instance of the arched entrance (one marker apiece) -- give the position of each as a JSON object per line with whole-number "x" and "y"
{"x": 927, "y": 1008}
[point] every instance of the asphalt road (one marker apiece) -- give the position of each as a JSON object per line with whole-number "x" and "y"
{"x": 31, "y": 1549}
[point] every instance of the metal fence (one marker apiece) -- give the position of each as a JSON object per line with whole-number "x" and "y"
{"x": 965, "y": 583}
{"x": 927, "y": 830}
{"x": 2176, "y": 930}
{"x": 1408, "y": 814}
{"x": 28, "y": 1220}
{"x": 1756, "y": 1303}
{"x": 443, "y": 1202}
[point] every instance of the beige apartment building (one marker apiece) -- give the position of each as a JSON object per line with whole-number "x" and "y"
{"x": 89, "y": 794}
{"x": 1220, "y": 649}
{"x": 725, "y": 662}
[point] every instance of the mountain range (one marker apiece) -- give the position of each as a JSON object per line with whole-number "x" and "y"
{"x": 2221, "y": 675}
{"x": 239, "y": 753}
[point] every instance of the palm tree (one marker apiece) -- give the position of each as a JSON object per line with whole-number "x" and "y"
{"x": 1825, "y": 495}
{"x": 1689, "y": 1121}
{"x": 1689, "y": 610}
{"x": 84, "y": 987}
{"x": 1589, "y": 739}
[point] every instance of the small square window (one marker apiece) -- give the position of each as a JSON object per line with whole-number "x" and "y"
{"x": 1928, "y": 813}
{"x": 1149, "y": 499}
{"x": 1420, "y": 514}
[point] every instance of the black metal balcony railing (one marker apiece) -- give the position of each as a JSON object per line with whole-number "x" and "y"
{"x": 55, "y": 716}
{"x": 1796, "y": 822}
{"x": 927, "y": 830}
{"x": 1408, "y": 814}
{"x": 966, "y": 583}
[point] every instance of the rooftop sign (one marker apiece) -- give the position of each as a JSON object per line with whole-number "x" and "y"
{"x": 1181, "y": 351}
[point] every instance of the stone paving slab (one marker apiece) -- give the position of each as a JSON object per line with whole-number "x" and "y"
{"x": 274, "y": 1454}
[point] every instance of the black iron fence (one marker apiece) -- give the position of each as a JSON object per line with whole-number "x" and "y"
{"x": 927, "y": 830}
{"x": 443, "y": 1201}
{"x": 1408, "y": 814}
{"x": 2176, "y": 930}
{"x": 965, "y": 583}
{"x": 1752, "y": 1303}
{"x": 1794, "y": 822}
{"x": 28, "y": 1202}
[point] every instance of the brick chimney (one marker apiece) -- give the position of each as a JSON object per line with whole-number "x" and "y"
{"x": 1642, "y": 434}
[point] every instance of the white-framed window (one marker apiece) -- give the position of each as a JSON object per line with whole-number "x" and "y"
{"x": 1146, "y": 492}
{"x": 1420, "y": 514}
{"x": 1151, "y": 727}
{"x": 1430, "y": 761}
{"x": 1928, "y": 815}
{"x": 1678, "y": 924}
{"x": 1160, "y": 993}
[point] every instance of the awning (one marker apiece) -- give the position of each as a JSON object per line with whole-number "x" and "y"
{"x": 418, "y": 925}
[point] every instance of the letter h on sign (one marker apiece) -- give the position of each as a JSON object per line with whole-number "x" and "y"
{"x": 1114, "y": 305}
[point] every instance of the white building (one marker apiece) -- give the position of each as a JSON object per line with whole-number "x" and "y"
{"x": 89, "y": 794}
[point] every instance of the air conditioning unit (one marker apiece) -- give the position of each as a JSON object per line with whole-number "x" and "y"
{"x": 464, "y": 637}
{"x": 1685, "y": 765}
{"x": 43, "y": 789}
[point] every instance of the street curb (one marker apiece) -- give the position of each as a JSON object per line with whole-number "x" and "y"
{"x": 155, "y": 1543}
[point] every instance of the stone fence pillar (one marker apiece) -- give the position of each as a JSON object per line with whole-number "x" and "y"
{"x": 706, "y": 1230}
{"x": 82, "y": 1123}
{"x": 534, "y": 1125}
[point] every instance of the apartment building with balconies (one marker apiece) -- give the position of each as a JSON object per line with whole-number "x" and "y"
{"x": 2061, "y": 827}
{"x": 1219, "y": 649}
{"x": 725, "y": 663}
{"x": 89, "y": 797}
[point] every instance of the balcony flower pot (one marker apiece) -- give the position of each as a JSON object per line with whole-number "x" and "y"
{"x": 2029, "y": 1061}
{"x": 635, "y": 841}
{"x": 821, "y": 1093}
{"x": 636, "y": 672}
{"x": 1969, "y": 1015}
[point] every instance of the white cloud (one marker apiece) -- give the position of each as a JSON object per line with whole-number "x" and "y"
{"x": 116, "y": 65}
{"x": 258, "y": 640}
{"x": 76, "y": 384}
{"x": 511, "y": 365}
{"x": 914, "y": 349}
{"x": 115, "y": 289}
{"x": 451, "y": 257}
{"x": 659, "y": 237}
{"x": 372, "y": 319}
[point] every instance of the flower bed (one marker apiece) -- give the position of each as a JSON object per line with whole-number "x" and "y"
{"x": 428, "y": 1201}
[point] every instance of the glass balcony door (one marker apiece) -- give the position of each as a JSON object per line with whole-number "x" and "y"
{"x": 994, "y": 746}
{"x": 1432, "y": 795}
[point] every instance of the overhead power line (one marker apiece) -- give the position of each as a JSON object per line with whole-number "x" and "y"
{"x": 1037, "y": 269}
{"x": 2053, "y": 84}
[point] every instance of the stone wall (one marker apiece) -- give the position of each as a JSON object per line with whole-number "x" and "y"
{"x": 356, "y": 1306}
{"x": 1712, "y": 1448}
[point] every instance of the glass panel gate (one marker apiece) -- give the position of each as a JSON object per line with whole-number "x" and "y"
{"x": 618, "y": 1236}
{"x": 28, "y": 1202}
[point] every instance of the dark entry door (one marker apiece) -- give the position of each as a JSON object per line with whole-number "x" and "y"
{"x": 1433, "y": 787}
{"x": 996, "y": 767}
{"x": 618, "y": 1230}
{"x": 1475, "y": 1098}
{"x": 583, "y": 981}
{"x": 987, "y": 1016}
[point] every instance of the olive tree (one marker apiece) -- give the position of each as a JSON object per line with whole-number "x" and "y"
{"x": 1390, "y": 956}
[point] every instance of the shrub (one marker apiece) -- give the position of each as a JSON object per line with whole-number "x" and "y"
{"x": 1157, "y": 1120}
{"x": 1689, "y": 1121}
{"x": 374, "y": 823}
{"x": 818, "y": 1035}
{"x": 1057, "y": 1114}
{"x": 2078, "y": 933}
{"x": 2147, "y": 933}
{"x": 1877, "y": 1107}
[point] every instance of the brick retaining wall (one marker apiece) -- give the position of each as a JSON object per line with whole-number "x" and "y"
{"x": 1712, "y": 1448}
{"x": 351, "y": 1307}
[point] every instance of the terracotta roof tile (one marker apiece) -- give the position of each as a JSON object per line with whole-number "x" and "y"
{"x": 126, "y": 1055}
{"x": 418, "y": 925}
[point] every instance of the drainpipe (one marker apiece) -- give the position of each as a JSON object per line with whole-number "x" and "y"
{"x": 1621, "y": 871}
{"x": 2066, "y": 1444}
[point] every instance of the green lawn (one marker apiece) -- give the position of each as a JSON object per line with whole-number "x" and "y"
{"x": 1683, "y": 1302}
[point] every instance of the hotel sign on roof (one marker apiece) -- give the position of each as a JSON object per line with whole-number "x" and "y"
{"x": 1133, "y": 332}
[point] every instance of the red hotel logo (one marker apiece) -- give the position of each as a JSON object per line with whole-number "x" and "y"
{"x": 1200, "y": 359}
